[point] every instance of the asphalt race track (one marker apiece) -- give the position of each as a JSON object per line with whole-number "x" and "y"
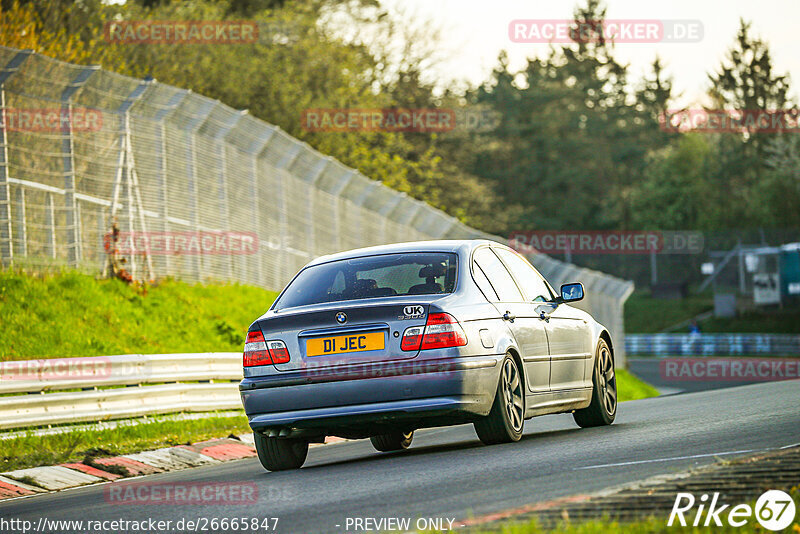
{"x": 448, "y": 474}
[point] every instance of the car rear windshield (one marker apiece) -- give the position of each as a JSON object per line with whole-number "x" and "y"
{"x": 387, "y": 275}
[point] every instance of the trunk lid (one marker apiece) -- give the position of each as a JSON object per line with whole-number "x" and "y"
{"x": 346, "y": 333}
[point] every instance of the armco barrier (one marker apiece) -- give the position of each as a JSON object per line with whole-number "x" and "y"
{"x": 160, "y": 161}
{"x": 712, "y": 344}
{"x": 160, "y": 383}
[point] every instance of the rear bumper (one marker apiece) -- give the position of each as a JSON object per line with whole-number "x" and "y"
{"x": 357, "y": 400}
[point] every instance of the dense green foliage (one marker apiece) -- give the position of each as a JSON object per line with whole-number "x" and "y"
{"x": 572, "y": 125}
{"x": 72, "y": 314}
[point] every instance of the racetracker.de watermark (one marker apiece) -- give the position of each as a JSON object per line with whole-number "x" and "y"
{"x": 730, "y": 121}
{"x": 52, "y": 120}
{"x": 729, "y": 369}
{"x": 606, "y": 242}
{"x": 180, "y": 494}
{"x": 181, "y": 243}
{"x": 426, "y": 120}
{"x": 332, "y": 370}
{"x": 57, "y": 369}
{"x": 616, "y": 30}
{"x": 181, "y": 32}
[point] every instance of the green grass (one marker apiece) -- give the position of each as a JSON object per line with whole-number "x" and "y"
{"x": 645, "y": 315}
{"x": 32, "y": 451}
{"x": 71, "y": 314}
{"x": 785, "y": 321}
{"x": 631, "y": 387}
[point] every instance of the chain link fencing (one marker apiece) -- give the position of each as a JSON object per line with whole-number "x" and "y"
{"x": 184, "y": 186}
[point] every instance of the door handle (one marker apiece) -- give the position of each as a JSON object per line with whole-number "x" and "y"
{"x": 507, "y": 316}
{"x": 543, "y": 317}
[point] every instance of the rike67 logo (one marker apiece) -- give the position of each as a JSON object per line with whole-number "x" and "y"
{"x": 774, "y": 510}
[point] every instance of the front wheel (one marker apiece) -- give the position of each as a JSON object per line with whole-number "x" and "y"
{"x": 504, "y": 422}
{"x": 279, "y": 454}
{"x": 393, "y": 441}
{"x": 603, "y": 408}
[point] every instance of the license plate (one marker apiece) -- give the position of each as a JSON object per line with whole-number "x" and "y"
{"x": 341, "y": 344}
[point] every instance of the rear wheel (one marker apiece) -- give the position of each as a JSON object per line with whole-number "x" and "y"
{"x": 393, "y": 441}
{"x": 603, "y": 408}
{"x": 280, "y": 454}
{"x": 504, "y": 422}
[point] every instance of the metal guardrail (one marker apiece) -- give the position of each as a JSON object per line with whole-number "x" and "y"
{"x": 114, "y": 387}
{"x": 712, "y": 344}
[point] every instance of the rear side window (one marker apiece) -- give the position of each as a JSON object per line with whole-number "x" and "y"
{"x": 386, "y": 275}
{"x": 483, "y": 283}
{"x": 498, "y": 276}
{"x": 530, "y": 281}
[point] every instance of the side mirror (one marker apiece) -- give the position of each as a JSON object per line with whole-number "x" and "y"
{"x": 571, "y": 292}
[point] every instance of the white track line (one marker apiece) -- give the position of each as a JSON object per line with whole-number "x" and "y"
{"x": 674, "y": 458}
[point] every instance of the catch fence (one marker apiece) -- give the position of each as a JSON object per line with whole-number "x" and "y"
{"x": 184, "y": 186}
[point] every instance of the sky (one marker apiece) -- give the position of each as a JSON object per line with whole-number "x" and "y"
{"x": 475, "y": 31}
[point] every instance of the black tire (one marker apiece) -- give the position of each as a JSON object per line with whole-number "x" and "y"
{"x": 603, "y": 408}
{"x": 279, "y": 454}
{"x": 505, "y": 421}
{"x": 393, "y": 441}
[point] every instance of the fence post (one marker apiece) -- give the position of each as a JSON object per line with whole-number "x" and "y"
{"x": 286, "y": 164}
{"x": 6, "y": 234}
{"x": 222, "y": 191}
{"x": 21, "y": 222}
{"x": 653, "y": 269}
{"x": 73, "y": 223}
{"x": 50, "y": 223}
{"x": 337, "y": 191}
{"x": 256, "y": 196}
{"x": 194, "y": 188}
{"x": 312, "y": 231}
{"x": 126, "y": 170}
{"x": 161, "y": 164}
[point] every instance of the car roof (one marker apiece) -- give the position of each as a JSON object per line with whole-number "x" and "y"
{"x": 441, "y": 245}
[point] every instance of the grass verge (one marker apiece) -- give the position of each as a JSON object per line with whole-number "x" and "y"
{"x": 630, "y": 387}
{"x": 33, "y": 451}
{"x": 646, "y": 315}
{"x": 72, "y": 314}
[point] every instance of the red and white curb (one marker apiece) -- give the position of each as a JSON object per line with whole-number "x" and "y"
{"x": 35, "y": 480}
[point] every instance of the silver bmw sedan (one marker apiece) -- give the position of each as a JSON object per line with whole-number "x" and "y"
{"x": 378, "y": 342}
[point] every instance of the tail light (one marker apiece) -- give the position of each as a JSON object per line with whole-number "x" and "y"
{"x": 257, "y": 351}
{"x": 412, "y": 338}
{"x": 440, "y": 331}
{"x": 278, "y": 351}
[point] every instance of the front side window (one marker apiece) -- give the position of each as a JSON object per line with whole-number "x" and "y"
{"x": 386, "y": 275}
